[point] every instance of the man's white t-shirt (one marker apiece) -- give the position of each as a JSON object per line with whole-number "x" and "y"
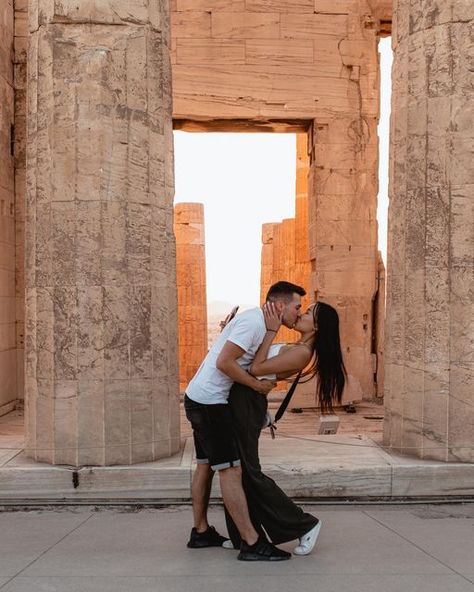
{"x": 209, "y": 385}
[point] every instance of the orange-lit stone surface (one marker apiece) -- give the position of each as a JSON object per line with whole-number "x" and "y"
{"x": 266, "y": 276}
{"x": 191, "y": 281}
{"x": 8, "y": 365}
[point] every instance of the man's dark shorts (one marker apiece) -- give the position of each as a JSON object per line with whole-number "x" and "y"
{"x": 213, "y": 431}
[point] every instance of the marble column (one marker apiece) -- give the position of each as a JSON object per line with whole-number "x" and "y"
{"x": 191, "y": 282}
{"x": 429, "y": 372}
{"x": 101, "y": 307}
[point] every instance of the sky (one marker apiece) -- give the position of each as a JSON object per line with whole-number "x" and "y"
{"x": 246, "y": 180}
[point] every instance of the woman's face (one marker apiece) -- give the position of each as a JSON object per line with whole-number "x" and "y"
{"x": 305, "y": 322}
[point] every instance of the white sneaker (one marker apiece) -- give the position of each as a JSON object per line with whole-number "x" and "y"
{"x": 308, "y": 540}
{"x": 227, "y": 544}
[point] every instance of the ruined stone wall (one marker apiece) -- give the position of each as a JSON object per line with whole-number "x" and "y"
{"x": 271, "y": 59}
{"x": 299, "y": 66}
{"x": 191, "y": 284}
{"x": 101, "y": 312}
{"x": 8, "y": 378}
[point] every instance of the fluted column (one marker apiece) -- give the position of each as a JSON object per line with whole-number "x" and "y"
{"x": 429, "y": 376}
{"x": 101, "y": 311}
{"x": 191, "y": 282}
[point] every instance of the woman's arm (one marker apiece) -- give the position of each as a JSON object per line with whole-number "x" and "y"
{"x": 287, "y": 362}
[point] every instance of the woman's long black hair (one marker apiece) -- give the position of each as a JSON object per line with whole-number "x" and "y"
{"x": 328, "y": 364}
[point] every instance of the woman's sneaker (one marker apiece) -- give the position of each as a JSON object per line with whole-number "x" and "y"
{"x": 308, "y": 540}
{"x": 262, "y": 550}
{"x": 228, "y": 544}
{"x": 208, "y": 538}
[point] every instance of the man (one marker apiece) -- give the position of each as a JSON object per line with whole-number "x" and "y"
{"x": 206, "y": 408}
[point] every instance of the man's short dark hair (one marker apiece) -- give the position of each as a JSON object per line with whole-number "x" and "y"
{"x": 284, "y": 291}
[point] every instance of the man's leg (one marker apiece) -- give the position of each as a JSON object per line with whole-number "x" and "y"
{"x": 236, "y": 503}
{"x": 202, "y": 535}
{"x": 200, "y": 492}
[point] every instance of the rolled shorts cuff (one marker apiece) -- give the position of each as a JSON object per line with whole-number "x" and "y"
{"x": 202, "y": 461}
{"x": 226, "y": 465}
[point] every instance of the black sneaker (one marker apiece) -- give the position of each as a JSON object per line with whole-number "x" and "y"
{"x": 208, "y": 538}
{"x": 262, "y": 550}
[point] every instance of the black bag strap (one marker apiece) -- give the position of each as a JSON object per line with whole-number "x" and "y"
{"x": 287, "y": 399}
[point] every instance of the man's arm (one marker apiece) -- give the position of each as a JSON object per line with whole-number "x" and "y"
{"x": 227, "y": 363}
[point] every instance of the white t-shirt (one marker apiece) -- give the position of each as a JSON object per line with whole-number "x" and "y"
{"x": 209, "y": 385}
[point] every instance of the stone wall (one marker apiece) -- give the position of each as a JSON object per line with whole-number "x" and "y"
{"x": 310, "y": 65}
{"x": 272, "y": 59}
{"x": 8, "y": 378}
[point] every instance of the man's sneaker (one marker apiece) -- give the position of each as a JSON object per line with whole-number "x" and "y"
{"x": 308, "y": 540}
{"x": 208, "y": 538}
{"x": 262, "y": 550}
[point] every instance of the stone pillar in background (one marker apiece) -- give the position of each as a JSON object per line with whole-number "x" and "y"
{"x": 429, "y": 373}
{"x": 101, "y": 306}
{"x": 288, "y": 246}
{"x": 343, "y": 236}
{"x": 266, "y": 275}
{"x": 278, "y": 257}
{"x": 8, "y": 375}
{"x": 302, "y": 262}
{"x": 191, "y": 282}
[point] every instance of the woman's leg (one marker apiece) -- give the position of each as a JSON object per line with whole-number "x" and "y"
{"x": 281, "y": 518}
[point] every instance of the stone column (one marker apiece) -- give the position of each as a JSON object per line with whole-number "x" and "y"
{"x": 101, "y": 312}
{"x": 8, "y": 377}
{"x": 20, "y": 58}
{"x": 429, "y": 376}
{"x": 191, "y": 282}
{"x": 302, "y": 262}
{"x": 266, "y": 276}
{"x": 288, "y": 248}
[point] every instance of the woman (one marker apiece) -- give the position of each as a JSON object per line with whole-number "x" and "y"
{"x": 319, "y": 351}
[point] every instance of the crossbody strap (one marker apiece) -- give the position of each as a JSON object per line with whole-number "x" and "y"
{"x": 287, "y": 399}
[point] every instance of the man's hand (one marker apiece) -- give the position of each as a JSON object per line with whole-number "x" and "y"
{"x": 272, "y": 317}
{"x": 264, "y": 386}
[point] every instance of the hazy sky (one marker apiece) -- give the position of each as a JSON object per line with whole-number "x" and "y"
{"x": 244, "y": 181}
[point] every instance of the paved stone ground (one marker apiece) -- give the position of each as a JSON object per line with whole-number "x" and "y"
{"x": 371, "y": 548}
